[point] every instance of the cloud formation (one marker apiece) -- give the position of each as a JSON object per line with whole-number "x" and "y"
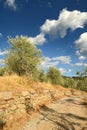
{"x": 2, "y": 61}
{"x": 80, "y": 64}
{"x": 11, "y": 4}
{"x": 81, "y": 46}
{"x": 62, "y": 70}
{"x": 62, "y": 59}
{"x": 66, "y": 20}
{"x": 82, "y": 57}
{"x": 38, "y": 40}
{"x": 3, "y": 52}
{"x": 58, "y": 27}
{"x": 54, "y": 61}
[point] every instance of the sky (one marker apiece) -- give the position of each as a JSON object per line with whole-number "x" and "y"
{"x": 57, "y": 27}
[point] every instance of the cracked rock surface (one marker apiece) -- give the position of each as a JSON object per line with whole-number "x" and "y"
{"x": 69, "y": 113}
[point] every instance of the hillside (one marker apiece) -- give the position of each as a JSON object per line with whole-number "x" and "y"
{"x": 21, "y": 97}
{"x": 17, "y": 84}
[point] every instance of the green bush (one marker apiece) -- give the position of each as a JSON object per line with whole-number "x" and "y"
{"x": 54, "y": 76}
{"x": 2, "y": 71}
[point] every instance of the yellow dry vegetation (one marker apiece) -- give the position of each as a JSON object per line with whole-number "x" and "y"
{"x": 16, "y": 83}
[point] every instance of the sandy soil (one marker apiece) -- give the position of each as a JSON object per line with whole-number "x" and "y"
{"x": 68, "y": 113}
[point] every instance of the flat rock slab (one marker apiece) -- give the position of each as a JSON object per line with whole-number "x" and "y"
{"x": 6, "y": 95}
{"x": 68, "y": 113}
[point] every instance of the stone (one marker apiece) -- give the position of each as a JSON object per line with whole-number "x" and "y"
{"x": 6, "y": 95}
{"x": 13, "y": 107}
{"x": 25, "y": 93}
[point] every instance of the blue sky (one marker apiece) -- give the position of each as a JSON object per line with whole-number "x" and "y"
{"x": 57, "y": 27}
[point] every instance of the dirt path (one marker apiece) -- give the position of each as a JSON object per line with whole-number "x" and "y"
{"x": 69, "y": 113}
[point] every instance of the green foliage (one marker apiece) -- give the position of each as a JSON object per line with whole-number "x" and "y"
{"x": 79, "y": 83}
{"x": 23, "y": 57}
{"x": 5, "y": 71}
{"x": 82, "y": 84}
{"x": 70, "y": 83}
{"x": 78, "y": 73}
{"x": 42, "y": 76}
{"x": 2, "y": 71}
{"x": 85, "y": 71}
{"x": 54, "y": 76}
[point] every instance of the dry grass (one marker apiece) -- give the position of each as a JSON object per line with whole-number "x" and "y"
{"x": 15, "y": 83}
{"x": 17, "y": 122}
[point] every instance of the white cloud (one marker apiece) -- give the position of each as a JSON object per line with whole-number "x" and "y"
{"x": 82, "y": 57}
{"x": 80, "y": 64}
{"x": 3, "y": 52}
{"x": 38, "y": 40}
{"x": 63, "y": 59}
{"x": 54, "y": 61}
{"x": 11, "y": 4}
{"x": 2, "y": 61}
{"x": 47, "y": 62}
{"x": 69, "y": 70}
{"x": 63, "y": 70}
{"x": 66, "y": 20}
{"x": 81, "y": 46}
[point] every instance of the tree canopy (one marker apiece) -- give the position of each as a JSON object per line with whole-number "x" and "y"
{"x": 54, "y": 76}
{"x": 23, "y": 57}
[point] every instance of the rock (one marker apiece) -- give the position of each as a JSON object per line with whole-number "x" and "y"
{"x": 25, "y": 93}
{"x": 14, "y": 107}
{"x": 6, "y": 95}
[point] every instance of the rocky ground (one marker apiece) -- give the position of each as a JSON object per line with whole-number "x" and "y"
{"x": 69, "y": 113}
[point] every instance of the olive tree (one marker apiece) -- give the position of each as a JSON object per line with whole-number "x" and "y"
{"x": 54, "y": 76}
{"x": 23, "y": 57}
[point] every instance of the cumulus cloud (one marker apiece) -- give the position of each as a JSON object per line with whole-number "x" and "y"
{"x": 3, "y": 52}
{"x": 63, "y": 59}
{"x": 54, "y": 61}
{"x": 2, "y": 61}
{"x": 11, "y": 4}
{"x": 63, "y": 70}
{"x": 47, "y": 62}
{"x": 81, "y": 46}
{"x": 80, "y": 64}
{"x": 58, "y": 27}
{"x": 66, "y": 20}
{"x": 82, "y": 57}
{"x": 38, "y": 40}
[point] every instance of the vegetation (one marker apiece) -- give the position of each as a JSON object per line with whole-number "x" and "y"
{"x": 42, "y": 76}
{"x": 2, "y": 71}
{"x": 79, "y": 83}
{"x": 23, "y": 57}
{"x": 54, "y": 76}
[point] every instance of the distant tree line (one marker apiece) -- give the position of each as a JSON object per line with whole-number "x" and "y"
{"x": 24, "y": 58}
{"x": 79, "y": 82}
